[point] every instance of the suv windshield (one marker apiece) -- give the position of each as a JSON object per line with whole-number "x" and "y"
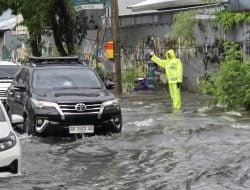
{"x": 2, "y": 118}
{"x": 63, "y": 78}
{"x": 8, "y": 71}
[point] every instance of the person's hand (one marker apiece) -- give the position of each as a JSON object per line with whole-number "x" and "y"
{"x": 178, "y": 84}
{"x": 151, "y": 52}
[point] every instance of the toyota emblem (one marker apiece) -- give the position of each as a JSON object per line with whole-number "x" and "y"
{"x": 80, "y": 107}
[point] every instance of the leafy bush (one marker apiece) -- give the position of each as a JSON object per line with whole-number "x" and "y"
{"x": 205, "y": 85}
{"x": 129, "y": 76}
{"x": 228, "y": 20}
{"x": 183, "y": 26}
{"x": 230, "y": 85}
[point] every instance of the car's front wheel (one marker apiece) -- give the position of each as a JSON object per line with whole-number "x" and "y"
{"x": 116, "y": 125}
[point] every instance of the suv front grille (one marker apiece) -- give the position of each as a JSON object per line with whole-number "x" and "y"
{"x": 6, "y": 81}
{"x": 70, "y": 108}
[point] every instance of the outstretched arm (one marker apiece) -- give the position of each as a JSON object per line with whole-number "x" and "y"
{"x": 157, "y": 60}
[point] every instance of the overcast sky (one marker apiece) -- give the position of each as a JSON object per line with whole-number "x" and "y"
{"x": 6, "y": 15}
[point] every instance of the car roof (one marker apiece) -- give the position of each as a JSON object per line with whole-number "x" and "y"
{"x": 58, "y": 66}
{"x": 36, "y": 62}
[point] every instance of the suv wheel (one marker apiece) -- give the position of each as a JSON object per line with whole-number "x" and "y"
{"x": 116, "y": 126}
{"x": 117, "y": 129}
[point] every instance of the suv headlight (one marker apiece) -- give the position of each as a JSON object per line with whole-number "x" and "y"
{"x": 42, "y": 104}
{"x": 8, "y": 142}
{"x": 111, "y": 103}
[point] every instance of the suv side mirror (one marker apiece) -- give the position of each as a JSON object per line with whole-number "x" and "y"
{"x": 19, "y": 87}
{"x": 16, "y": 119}
{"x": 109, "y": 85}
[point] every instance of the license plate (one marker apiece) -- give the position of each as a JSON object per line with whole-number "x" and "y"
{"x": 81, "y": 129}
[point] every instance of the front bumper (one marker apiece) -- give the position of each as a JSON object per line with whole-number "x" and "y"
{"x": 10, "y": 161}
{"x": 51, "y": 121}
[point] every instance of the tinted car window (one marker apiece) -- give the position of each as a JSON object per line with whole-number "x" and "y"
{"x": 27, "y": 77}
{"x": 22, "y": 75}
{"x": 2, "y": 118}
{"x": 65, "y": 78}
{"x": 8, "y": 71}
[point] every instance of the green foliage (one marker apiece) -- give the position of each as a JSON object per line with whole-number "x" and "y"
{"x": 3, "y": 6}
{"x": 230, "y": 85}
{"x": 130, "y": 76}
{"x": 183, "y": 26}
{"x": 57, "y": 17}
{"x": 205, "y": 85}
{"x": 228, "y": 20}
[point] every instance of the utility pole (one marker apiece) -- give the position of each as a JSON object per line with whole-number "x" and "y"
{"x": 117, "y": 46}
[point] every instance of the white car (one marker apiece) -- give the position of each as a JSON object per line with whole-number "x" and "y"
{"x": 7, "y": 72}
{"x": 10, "y": 150}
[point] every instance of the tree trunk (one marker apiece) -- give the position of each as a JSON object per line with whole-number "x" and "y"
{"x": 57, "y": 36}
{"x": 62, "y": 24}
{"x": 35, "y": 41}
{"x": 69, "y": 23}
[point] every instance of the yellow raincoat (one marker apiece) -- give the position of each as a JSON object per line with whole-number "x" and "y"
{"x": 174, "y": 72}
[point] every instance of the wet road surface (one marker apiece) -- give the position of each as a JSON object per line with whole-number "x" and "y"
{"x": 198, "y": 149}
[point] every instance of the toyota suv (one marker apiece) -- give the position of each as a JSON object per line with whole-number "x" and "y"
{"x": 62, "y": 96}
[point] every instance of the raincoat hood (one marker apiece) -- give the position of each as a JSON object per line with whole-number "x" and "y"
{"x": 170, "y": 54}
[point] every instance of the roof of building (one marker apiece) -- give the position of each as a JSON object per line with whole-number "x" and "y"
{"x": 167, "y": 4}
{"x": 7, "y": 21}
{"x": 125, "y": 10}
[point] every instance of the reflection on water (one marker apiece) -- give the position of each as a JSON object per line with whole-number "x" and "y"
{"x": 198, "y": 148}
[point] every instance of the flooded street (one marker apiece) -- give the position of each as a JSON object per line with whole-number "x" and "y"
{"x": 197, "y": 149}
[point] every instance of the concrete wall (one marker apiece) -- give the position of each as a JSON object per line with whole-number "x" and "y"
{"x": 241, "y": 34}
{"x": 239, "y": 5}
{"x": 198, "y": 59}
{"x": 11, "y": 45}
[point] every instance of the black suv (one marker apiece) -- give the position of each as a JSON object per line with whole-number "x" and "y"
{"x": 62, "y": 96}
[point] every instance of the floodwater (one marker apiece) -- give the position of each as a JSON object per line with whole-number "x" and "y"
{"x": 199, "y": 148}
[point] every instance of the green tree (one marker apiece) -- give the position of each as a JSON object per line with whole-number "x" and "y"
{"x": 183, "y": 26}
{"x": 230, "y": 84}
{"x": 229, "y": 20}
{"x": 43, "y": 16}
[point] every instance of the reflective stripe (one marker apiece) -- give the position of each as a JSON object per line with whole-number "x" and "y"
{"x": 172, "y": 66}
{"x": 173, "y": 79}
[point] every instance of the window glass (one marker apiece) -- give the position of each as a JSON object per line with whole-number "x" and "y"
{"x": 27, "y": 77}
{"x": 65, "y": 78}
{"x": 21, "y": 77}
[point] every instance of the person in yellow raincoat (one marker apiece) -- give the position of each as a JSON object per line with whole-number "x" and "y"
{"x": 174, "y": 71}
